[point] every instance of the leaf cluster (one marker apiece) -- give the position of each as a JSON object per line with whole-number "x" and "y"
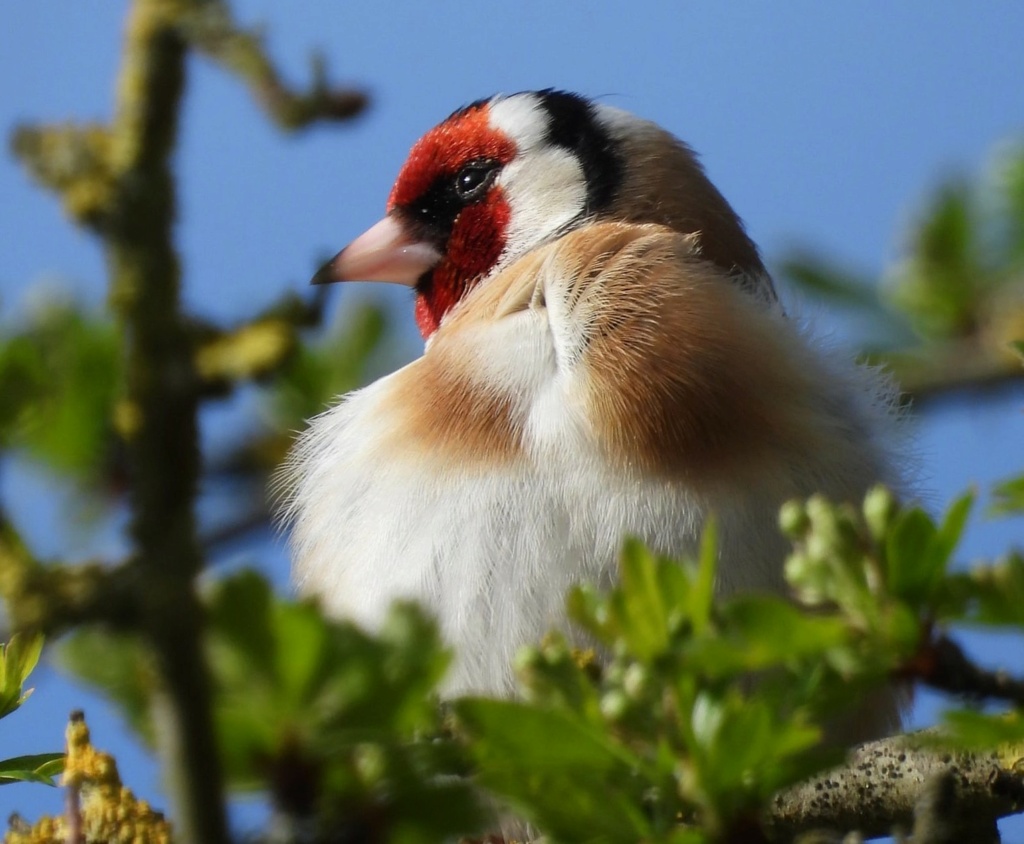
{"x": 948, "y": 313}
{"x": 341, "y": 730}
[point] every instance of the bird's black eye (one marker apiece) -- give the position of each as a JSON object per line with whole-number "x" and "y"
{"x": 474, "y": 180}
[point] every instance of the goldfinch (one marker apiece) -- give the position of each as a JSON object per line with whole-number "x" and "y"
{"x": 605, "y": 357}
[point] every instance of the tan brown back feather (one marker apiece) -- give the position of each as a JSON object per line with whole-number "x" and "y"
{"x": 688, "y": 375}
{"x": 666, "y": 185}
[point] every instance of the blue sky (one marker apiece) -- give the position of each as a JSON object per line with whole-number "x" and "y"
{"x": 825, "y": 125}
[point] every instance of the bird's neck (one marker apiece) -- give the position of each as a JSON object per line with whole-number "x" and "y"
{"x": 427, "y": 316}
{"x": 436, "y": 294}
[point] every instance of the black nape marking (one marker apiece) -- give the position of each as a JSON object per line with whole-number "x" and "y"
{"x": 573, "y": 125}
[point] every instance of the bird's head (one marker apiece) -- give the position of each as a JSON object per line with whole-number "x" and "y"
{"x": 502, "y": 176}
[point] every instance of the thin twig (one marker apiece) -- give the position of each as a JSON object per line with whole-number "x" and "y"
{"x": 943, "y": 665}
{"x": 210, "y": 30}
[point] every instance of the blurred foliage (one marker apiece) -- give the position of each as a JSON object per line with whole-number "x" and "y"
{"x": 318, "y": 371}
{"x": 661, "y": 739}
{"x": 1008, "y": 498}
{"x": 670, "y": 729}
{"x": 950, "y": 310}
{"x": 17, "y": 660}
{"x": 342, "y": 730}
{"x": 60, "y": 375}
{"x": 329, "y": 367}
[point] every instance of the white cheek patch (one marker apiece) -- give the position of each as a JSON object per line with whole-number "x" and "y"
{"x": 546, "y": 190}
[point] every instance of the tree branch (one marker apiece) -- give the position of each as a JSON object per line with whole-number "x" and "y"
{"x": 949, "y": 370}
{"x": 163, "y": 390}
{"x": 881, "y": 784}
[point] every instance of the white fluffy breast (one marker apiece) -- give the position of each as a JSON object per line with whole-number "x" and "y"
{"x": 490, "y": 550}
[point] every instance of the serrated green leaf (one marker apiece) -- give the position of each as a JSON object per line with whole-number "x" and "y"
{"x": 294, "y": 688}
{"x": 743, "y": 751}
{"x": 40, "y": 767}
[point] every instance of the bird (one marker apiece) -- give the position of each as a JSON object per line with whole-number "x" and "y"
{"x": 605, "y": 356}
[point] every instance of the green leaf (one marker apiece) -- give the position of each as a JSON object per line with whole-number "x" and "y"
{"x": 296, "y": 690}
{"x": 240, "y": 608}
{"x": 1010, "y": 178}
{"x": 919, "y": 553}
{"x": 702, "y": 595}
{"x": 991, "y": 595}
{"x": 41, "y": 768}
{"x": 943, "y": 283}
{"x": 318, "y": 373}
{"x": 640, "y": 603}
{"x": 552, "y": 675}
{"x": 819, "y": 277}
{"x": 1008, "y": 497}
{"x": 60, "y": 376}
{"x": 745, "y": 748}
{"x": 18, "y": 658}
{"x": 950, "y": 532}
{"x": 910, "y": 567}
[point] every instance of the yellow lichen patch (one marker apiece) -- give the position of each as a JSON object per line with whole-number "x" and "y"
{"x": 246, "y": 353}
{"x": 106, "y": 810}
{"x": 127, "y": 418}
{"x": 73, "y": 159}
{"x": 585, "y": 658}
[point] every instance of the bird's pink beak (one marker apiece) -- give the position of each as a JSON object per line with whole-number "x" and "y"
{"x": 384, "y": 252}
